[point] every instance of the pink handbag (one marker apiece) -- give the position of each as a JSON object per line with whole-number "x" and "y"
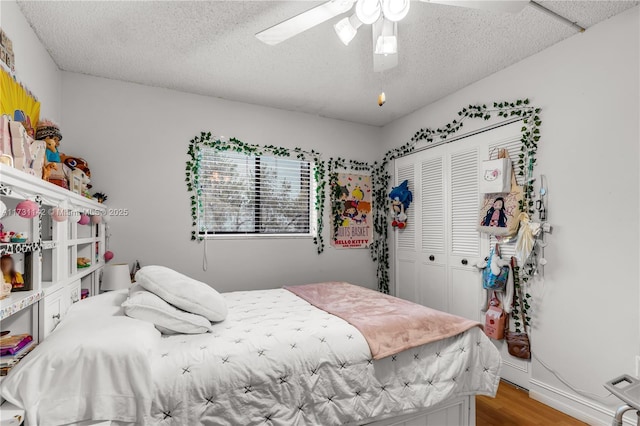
{"x": 495, "y": 320}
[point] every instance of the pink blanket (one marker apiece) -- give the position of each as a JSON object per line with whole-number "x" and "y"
{"x": 390, "y": 325}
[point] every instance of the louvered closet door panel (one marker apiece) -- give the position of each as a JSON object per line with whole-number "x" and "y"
{"x": 432, "y": 287}
{"x": 433, "y": 202}
{"x": 406, "y": 238}
{"x": 513, "y": 145}
{"x": 464, "y": 279}
{"x": 464, "y": 203}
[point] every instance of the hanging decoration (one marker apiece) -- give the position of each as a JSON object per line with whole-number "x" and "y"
{"x": 96, "y": 219}
{"x": 381, "y": 178}
{"x": 351, "y": 204}
{"x": 59, "y": 214}
{"x": 401, "y": 199}
{"x": 108, "y": 255}
{"x": 83, "y": 219}
{"x": 27, "y": 209}
{"x": 14, "y": 97}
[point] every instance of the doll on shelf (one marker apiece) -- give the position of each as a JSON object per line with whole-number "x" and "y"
{"x": 9, "y": 273}
{"x": 53, "y": 171}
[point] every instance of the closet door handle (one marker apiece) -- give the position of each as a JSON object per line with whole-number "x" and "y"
{"x": 464, "y": 261}
{"x": 57, "y": 316}
{"x": 432, "y": 258}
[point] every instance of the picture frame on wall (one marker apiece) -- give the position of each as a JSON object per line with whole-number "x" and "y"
{"x": 351, "y": 200}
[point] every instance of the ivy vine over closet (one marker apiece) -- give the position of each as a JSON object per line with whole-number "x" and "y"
{"x": 325, "y": 174}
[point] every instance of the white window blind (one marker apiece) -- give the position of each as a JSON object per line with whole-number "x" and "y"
{"x": 246, "y": 194}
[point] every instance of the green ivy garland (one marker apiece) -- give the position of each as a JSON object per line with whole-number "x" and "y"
{"x": 207, "y": 140}
{"x": 526, "y": 162}
{"x": 381, "y": 178}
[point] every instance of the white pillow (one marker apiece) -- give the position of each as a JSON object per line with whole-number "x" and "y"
{"x": 183, "y": 292}
{"x": 146, "y": 306}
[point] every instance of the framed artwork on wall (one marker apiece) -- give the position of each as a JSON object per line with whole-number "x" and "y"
{"x": 351, "y": 205}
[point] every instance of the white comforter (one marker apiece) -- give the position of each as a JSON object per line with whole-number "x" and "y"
{"x": 275, "y": 360}
{"x": 279, "y": 360}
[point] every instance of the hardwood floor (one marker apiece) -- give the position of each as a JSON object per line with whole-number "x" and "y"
{"x": 513, "y": 407}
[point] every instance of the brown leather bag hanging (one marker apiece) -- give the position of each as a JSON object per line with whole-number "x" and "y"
{"x": 518, "y": 343}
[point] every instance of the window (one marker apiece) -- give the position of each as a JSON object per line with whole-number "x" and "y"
{"x": 245, "y": 194}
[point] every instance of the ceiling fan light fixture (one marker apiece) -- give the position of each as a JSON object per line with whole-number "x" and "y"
{"x": 395, "y": 10}
{"x": 387, "y": 45}
{"x": 368, "y": 11}
{"x": 347, "y": 28}
{"x": 387, "y": 41}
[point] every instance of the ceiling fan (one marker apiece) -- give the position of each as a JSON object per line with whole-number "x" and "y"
{"x": 382, "y": 15}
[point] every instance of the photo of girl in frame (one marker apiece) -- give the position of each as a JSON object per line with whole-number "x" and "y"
{"x": 10, "y": 275}
{"x": 496, "y": 216}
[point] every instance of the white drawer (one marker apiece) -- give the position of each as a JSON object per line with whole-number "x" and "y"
{"x": 54, "y": 307}
{"x": 75, "y": 289}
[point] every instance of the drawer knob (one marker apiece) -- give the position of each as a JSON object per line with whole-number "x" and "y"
{"x": 432, "y": 258}
{"x": 56, "y": 316}
{"x": 464, "y": 261}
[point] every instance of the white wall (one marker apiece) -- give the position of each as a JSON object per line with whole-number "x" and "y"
{"x": 34, "y": 66}
{"x": 135, "y": 139}
{"x": 587, "y": 324}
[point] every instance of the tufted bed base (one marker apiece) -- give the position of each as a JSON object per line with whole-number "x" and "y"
{"x": 459, "y": 411}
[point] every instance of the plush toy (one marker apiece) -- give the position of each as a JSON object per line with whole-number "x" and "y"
{"x": 101, "y": 197}
{"x": 76, "y": 163}
{"x": 401, "y": 198}
{"x": 83, "y": 262}
{"x": 53, "y": 172}
{"x": 78, "y": 174}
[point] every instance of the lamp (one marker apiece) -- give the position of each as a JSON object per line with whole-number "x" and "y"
{"x": 368, "y": 11}
{"x": 115, "y": 277}
{"x": 387, "y": 43}
{"x": 347, "y": 28}
{"x": 395, "y": 10}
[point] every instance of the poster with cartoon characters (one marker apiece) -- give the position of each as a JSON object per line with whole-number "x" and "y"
{"x": 352, "y": 221}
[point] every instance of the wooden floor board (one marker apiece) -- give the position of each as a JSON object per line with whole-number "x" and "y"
{"x": 513, "y": 407}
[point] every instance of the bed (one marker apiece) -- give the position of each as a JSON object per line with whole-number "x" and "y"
{"x": 276, "y": 360}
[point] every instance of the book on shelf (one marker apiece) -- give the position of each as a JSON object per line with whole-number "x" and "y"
{"x": 7, "y": 362}
{"x": 11, "y": 344}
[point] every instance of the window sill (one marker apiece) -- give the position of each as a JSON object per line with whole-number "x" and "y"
{"x": 256, "y": 237}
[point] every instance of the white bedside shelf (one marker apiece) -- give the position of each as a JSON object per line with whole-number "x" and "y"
{"x": 18, "y": 301}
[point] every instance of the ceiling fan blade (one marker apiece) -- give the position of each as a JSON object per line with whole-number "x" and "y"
{"x": 304, "y": 21}
{"x": 381, "y": 62}
{"x": 507, "y": 6}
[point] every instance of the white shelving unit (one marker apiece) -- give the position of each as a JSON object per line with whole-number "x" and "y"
{"x": 48, "y": 260}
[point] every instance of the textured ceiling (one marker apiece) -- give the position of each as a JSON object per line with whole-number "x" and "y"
{"x": 209, "y": 48}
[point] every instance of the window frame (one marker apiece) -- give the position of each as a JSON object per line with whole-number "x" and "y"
{"x": 230, "y": 235}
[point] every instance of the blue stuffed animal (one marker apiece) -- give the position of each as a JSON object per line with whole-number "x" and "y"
{"x": 401, "y": 199}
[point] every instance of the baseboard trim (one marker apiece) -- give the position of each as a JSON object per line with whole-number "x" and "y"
{"x": 574, "y": 405}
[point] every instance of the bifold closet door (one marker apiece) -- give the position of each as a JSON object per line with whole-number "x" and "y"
{"x": 432, "y": 257}
{"x": 464, "y": 242}
{"x": 406, "y": 259}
